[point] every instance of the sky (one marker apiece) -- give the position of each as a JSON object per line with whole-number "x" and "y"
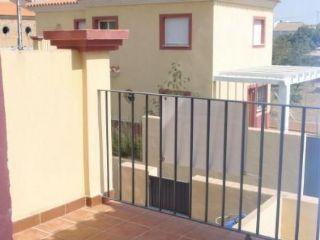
{"x": 307, "y": 11}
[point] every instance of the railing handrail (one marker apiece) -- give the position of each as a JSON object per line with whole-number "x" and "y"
{"x": 224, "y": 113}
{"x": 208, "y": 98}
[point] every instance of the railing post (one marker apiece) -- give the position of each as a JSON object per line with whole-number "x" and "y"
{"x": 207, "y": 160}
{"x": 243, "y": 148}
{"x": 301, "y": 160}
{"x": 279, "y": 184}
{"x": 146, "y": 149}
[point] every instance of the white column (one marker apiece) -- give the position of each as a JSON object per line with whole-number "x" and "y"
{"x": 284, "y": 98}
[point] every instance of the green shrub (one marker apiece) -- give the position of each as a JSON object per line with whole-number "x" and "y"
{"x": 126, "y": 146}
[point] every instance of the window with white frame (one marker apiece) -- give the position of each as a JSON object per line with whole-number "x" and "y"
{"x": 107, "y": 24}
{"x": 258, "y": 31}
{"x": 175, "y": 31}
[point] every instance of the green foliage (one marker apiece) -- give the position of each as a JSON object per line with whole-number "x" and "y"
{"x": 176, "y": 79}
{"x": 126, "y": 145}
{"x": 175, "y": 83}
{"x": 295, "y": 97}
{"x": 293, "y": 49}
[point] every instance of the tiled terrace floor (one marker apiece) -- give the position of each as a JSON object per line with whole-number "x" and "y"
{"x": 122, "y": 222}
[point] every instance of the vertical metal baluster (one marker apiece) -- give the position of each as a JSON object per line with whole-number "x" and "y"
{"x": 160, "y": 154}
{"x": 243, "y": 146}
{"x": 119, "y": 146}
{"x": 225, "y": 143}
{"x": 107, "y": 143}
{"x": 175, "y": 154}
{"x": 302, "y": 148}
{"x": 318, "y": 220}
{"x": 191, "y": 155}
{"x": 283, "y": 112}
{"x": 146, "y": 148}
{"x": 260, "y": 167}
{"x": 132, "y": 147}
{"x": 207, "y": 160}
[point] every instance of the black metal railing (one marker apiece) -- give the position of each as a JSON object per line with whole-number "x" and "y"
{"x": 145, "y": 99}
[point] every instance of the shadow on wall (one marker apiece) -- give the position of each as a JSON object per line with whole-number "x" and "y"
{"x": 5, "y": 200}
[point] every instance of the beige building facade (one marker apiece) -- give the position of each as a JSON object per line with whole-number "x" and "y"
{"x": 221, "y": 36}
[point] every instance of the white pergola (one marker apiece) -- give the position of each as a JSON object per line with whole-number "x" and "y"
{"x": 283, "y": 76}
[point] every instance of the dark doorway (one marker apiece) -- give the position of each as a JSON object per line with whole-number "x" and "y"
{"x": 167, "y": 199}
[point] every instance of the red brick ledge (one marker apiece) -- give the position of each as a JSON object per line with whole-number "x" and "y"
{"x": 87, "y": 40}
{"x": 56, "y": 212}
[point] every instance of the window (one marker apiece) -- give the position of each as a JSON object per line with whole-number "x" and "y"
{"x": 108, "y": 22}
{"x": 79, "y": 24}
{"x": 175, "y": 31}
{"x": 259, "y": 31}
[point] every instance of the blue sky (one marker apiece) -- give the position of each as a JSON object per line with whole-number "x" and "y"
{"x": 298, "y": 10}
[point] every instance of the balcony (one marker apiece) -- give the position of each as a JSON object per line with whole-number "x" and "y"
{"x": 164, "y": 166}
{"x": 199, "y": 158}
{"x": 116, "y": 221}
{"x": 180, "y": 167}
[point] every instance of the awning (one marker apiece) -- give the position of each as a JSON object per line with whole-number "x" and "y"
{"x": 272, "y": 74}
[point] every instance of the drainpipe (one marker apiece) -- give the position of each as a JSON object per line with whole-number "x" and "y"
{"x": 19, "y": 25}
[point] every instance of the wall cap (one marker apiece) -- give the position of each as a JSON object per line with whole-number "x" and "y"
{"x": 87, "y": 40}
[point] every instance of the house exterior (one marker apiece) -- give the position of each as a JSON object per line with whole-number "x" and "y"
{"x": 203, "y": 36}
{"x": 223, "y": 47}
{"x": 283, "y": 28}
{"x": 8, "y": 25}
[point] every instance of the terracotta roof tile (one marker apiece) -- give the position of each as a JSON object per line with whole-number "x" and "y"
{"x": 40, "y": 3}
{"x": 288, "y": 26}
{"x": 10, "y": 9}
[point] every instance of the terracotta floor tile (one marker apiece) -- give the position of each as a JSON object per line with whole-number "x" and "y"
{"x": 124, "y": 213}
{"x": 55, "y": 225}
{"x": 102, "y": 222}
{"x": 78, "y": 232}
{"x": 102, "y": 208}
{"x": 156, "y": 234}
{"x": 107, "y": 236}
{"x": 128, "y": 230}
{"x": 177, "y": 226}
{"x": 124, "y": 222}
{"x": 206, "y": 232}
{"x": 30, "y": 234}
{"x": 79, "y": 215}
{"x": 52, "y": 238}
{"x": 149, "y": 219}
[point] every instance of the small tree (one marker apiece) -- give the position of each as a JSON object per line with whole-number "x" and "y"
{"x": 176, "y": 80}
{"x": 175, "y": 84}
